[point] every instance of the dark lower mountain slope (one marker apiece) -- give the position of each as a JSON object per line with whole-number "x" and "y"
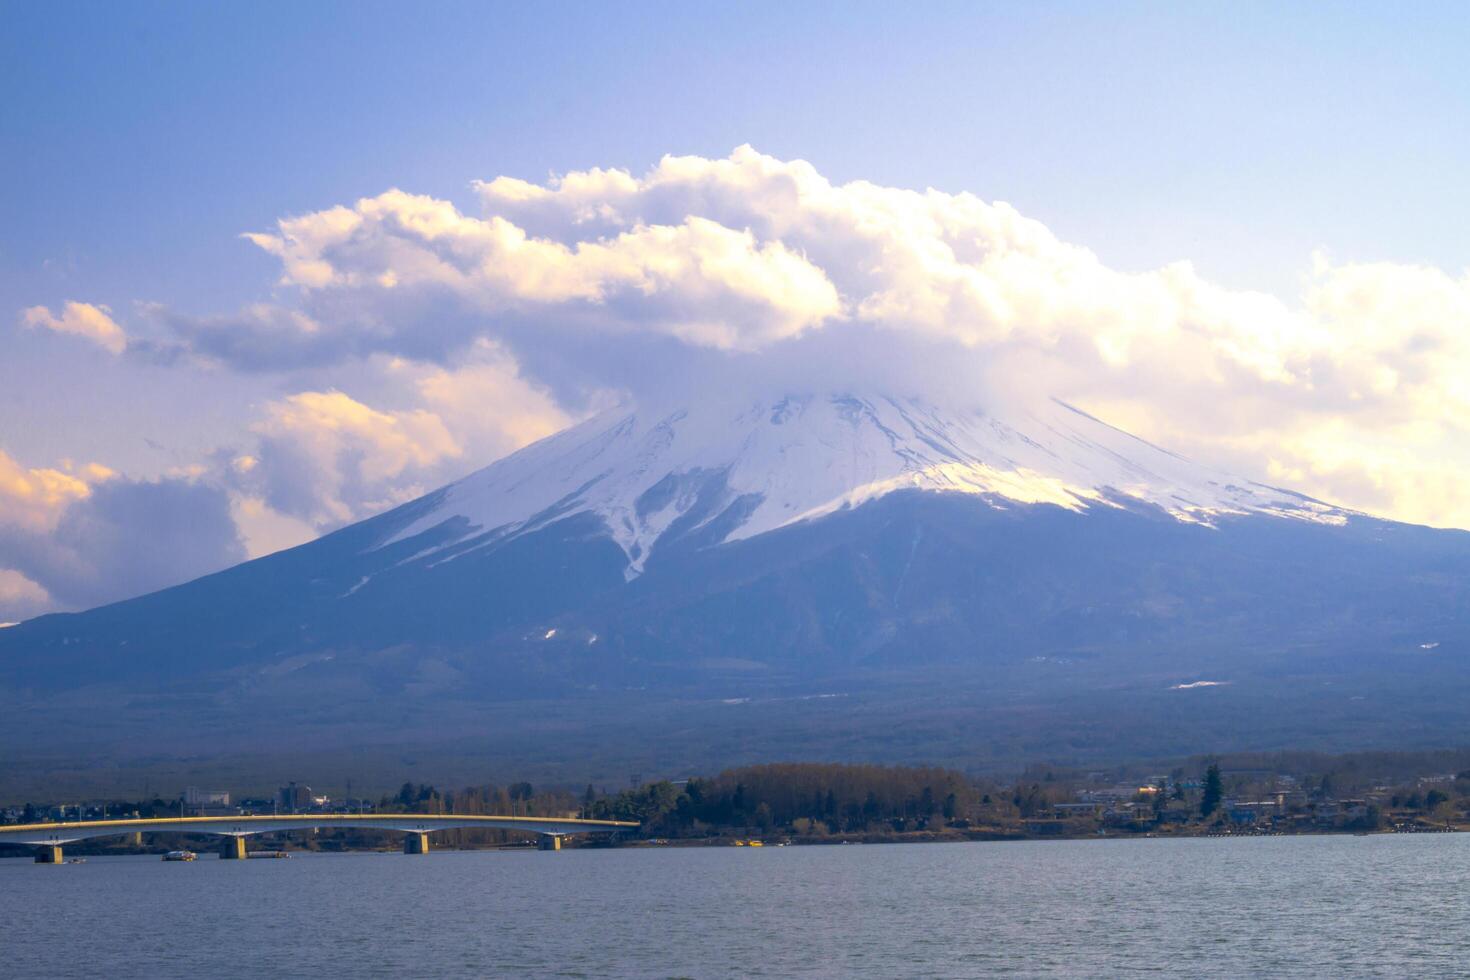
{"x": 956, "y": 625}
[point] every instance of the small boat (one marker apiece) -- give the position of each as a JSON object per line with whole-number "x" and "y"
{"x": 180, "y": 856}
{"x": 76, "y": 860}
{"x": 755, "y": 843}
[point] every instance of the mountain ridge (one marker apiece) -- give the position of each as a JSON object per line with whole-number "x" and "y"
{"x": 641, "y": 472}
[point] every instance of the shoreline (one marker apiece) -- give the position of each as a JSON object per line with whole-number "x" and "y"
{"x": 290, "y": 847}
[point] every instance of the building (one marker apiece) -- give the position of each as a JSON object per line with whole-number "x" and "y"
{"x": 207, "y": 803}
{"x": 295, "y": 797}
{"x": 1076, "y": 809}
{"x": 193, "y": 796}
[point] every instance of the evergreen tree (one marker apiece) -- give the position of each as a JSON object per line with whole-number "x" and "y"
{"x": 1214, "y": 791}
{"x": 763, "y": 815}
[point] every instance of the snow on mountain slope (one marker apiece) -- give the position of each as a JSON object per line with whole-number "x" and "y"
{"x": 761, "y": 465}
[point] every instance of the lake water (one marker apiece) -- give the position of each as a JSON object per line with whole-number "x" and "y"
{"x": 1388, "y": 906}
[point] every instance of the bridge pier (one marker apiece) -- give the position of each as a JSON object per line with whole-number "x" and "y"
{"x": 549, "y": 842}
{"x": 49, "y": 854}
{"x": 416, "y": 843}
{"x": 233, "y": 849}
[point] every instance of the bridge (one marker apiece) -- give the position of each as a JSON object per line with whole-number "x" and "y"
{"x": 48, "y": 838}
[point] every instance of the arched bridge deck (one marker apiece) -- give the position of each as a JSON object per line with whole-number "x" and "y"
{"x": 416, "y": 827}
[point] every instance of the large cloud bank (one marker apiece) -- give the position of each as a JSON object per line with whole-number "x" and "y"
{"x": 87, "y": 536}
{"x": 488, "y": 329}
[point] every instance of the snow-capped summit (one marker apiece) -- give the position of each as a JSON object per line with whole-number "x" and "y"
{"x": 740, "y": 470}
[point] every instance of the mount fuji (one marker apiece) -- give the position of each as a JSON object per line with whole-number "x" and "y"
{"x": 824, "y": 573}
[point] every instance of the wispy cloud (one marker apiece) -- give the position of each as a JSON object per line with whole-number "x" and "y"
{"x": 94, "y": 323}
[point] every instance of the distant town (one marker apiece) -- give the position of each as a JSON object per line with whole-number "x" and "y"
{"x": 192, "y": 802}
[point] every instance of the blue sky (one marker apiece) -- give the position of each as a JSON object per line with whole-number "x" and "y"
{"x": 1240, "y": 135}
{"x": 142, "y": 140}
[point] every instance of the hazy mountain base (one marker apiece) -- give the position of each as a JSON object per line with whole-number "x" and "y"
{"x": 604, "y": 740}
{"x": 917, "y": 627}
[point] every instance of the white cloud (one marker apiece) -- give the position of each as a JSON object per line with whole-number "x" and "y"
{"x": 325, "y": 458}
{"x": 485, "y": 402}
{"x": 35, "y": 499}
{"x": 489, "y": 329}
{"x": 696, "y": 279}
{"x": 20, "y": 598}
{"x": 1360, "y": 393}
{"x": 264, "y": 530}
{"x": 95, "y": 323}
{"x": 322, "y": 459}
{"x": 81, "y": 535}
